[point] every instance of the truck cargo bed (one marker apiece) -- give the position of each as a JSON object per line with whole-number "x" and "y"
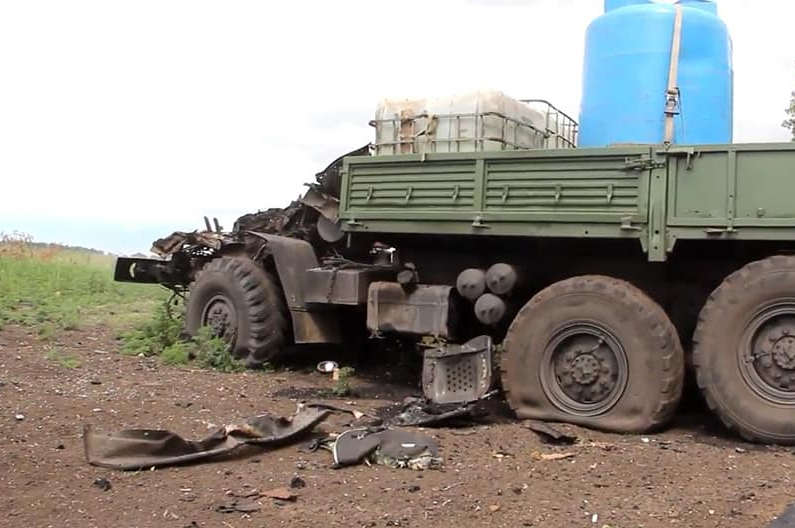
{"x": 648, "y": 192}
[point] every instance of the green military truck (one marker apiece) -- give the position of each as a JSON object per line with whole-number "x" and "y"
{"x": 587, "y": 283}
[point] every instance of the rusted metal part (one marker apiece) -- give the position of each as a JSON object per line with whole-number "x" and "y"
{"x": 327, "y": 207}
{"x": 548, "y": 433}
{"x": 289, "y": 221}
{"x": 178, "y": 241}
{"x": 458, "y": 373}
{"x": 424, "y": 311}
{"x": 346, "y": 286}
{"x": 325, "y": 204}
{"x": 293, "y": 258}
{"x": 315, "y": 327}
{"x": 422, "y": 413}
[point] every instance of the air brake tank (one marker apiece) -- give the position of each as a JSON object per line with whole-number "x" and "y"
{"x": 628, "y": 68}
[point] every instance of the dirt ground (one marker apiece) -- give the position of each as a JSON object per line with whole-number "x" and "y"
{"x": 692, "y": 475}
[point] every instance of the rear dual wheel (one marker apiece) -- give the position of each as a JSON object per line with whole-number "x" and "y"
{"x": 594, "y": 351}
{"x": 744, "y": 351}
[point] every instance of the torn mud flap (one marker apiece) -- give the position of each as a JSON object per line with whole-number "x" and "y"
{"x": 458, "y": 373}
{"x": 389, "y": 447}
{"x": 133, "y": 449}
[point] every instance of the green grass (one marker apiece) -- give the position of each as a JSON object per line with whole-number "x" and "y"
{"x": 213, "y": 352}
{"x": 56, "y": 289}
{"x": 162, "y": 336}
{"x": 154, "y": 335}
{"x": 63, "y": 360}
{"x": 342, "y": 386}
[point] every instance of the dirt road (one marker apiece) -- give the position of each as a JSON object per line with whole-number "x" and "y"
{"x": 693, "y": 475}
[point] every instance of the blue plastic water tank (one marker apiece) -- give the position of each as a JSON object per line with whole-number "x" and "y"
{"x": 625, "y": 78}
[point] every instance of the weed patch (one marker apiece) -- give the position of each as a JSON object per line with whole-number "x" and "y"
{"x": 63, "y": 360}
{"x": 153, "y": 337}
{"x": 162, "y": 336}
{"x": 176, "y": 353}
{"x": 213, "y": 352}
{"x": 342, "y": 385}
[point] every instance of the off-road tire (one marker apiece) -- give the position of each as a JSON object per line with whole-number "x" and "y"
{"x": 261, "y": 312}
{"x": 654, "y": 369}
{"x": 719, "y": 342}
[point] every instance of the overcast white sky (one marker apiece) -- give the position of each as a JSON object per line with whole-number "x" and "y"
{"x": 122, "y": 121}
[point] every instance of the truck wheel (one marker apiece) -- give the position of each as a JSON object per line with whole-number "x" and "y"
{"x": 242, "y": 303}
{"x": 593, "y": 351}
{"x": 744, "y": 350}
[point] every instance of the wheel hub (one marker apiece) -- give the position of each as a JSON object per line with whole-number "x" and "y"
{"x": 768, "y": 355}
{"x": 587, "y": 369}
{"x": 784, "y": 353}
{"x": 220, "y": 316}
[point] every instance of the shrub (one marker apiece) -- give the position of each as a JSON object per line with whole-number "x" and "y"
{"x": 342, "y": 386}
{"x": 213, "y": 352}
{"x": 176, "y": 353}
{"x": 156, "y": 335}
{"x": 162, "y": 336}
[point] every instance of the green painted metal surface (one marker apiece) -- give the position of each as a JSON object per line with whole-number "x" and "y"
{"x": 648, "y": 193}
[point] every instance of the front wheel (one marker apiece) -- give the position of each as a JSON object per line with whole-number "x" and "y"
{"x": 240, "y": 302}
{"x": 594, "y": 351}
{"x": 744, "y": 351}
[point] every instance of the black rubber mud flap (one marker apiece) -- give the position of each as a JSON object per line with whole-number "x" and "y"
{"x": 744, "y": 351}
{"x": 593, "y": 351}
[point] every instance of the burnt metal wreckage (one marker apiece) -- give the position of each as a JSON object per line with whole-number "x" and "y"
{"x": 584, "y": 282}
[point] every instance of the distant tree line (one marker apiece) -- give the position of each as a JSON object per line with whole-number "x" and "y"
{"x": 20, "y": 238}
{"x": 790, "y": 121}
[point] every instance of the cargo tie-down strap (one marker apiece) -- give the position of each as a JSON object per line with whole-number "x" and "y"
{"x": 672, "y": 93}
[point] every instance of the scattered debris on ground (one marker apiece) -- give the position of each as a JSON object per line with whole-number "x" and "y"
{"x": 625, "y": 481}
{"x": 145, "y": 448}
{"x": 420, "y": 412}
{"x": 549, "y": 434}
{"x": 389, "y": 447}
{"x": 785, "y": 520}
{"x": 552, "y": 456}
{"x": 237, "y": 506}
{"x": 102, "y": 483}
{"x": 280, "y": 494}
